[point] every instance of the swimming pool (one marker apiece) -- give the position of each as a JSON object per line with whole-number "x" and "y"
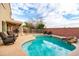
{"x": 47, "y": 46}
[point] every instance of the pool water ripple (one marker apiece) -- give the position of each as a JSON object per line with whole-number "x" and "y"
{"x": 47, "y": 46}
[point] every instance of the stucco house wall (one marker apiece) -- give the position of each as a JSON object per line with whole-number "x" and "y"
{"x": 5, "y": 13}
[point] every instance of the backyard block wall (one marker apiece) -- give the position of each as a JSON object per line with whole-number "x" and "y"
{"x": 64, "y": 31}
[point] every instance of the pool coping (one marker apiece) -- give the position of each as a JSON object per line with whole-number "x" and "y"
{"x": 52, "y": 35}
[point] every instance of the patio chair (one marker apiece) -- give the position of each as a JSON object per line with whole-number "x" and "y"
{"x": 16, "y": 31}
{"x": 10, "y": 33}
{"x": 6, "y": 39}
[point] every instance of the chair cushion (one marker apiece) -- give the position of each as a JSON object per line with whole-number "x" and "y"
{"x": 3, "y": 35}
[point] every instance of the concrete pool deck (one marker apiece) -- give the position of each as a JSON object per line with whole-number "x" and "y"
{"x": 16, "y": 49}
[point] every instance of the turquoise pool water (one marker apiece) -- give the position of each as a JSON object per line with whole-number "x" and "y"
{"x": 47, "y": 46}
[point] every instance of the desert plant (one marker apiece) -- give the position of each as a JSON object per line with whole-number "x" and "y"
{"x": 40, "y": 25}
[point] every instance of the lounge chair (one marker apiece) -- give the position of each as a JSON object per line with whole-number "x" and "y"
{"x": 6, "y": 39}
{"x": 10, "y": 33}
{"x": 16, "y": 31}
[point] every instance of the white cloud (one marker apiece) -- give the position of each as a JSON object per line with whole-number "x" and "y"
{"x": 55, "y": 18}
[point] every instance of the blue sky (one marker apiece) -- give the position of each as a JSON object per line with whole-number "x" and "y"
{"x": 52, "y": 14}
{"x": 32, "y": 11}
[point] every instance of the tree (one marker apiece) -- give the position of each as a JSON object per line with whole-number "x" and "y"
{"x": 40, "y": 26}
